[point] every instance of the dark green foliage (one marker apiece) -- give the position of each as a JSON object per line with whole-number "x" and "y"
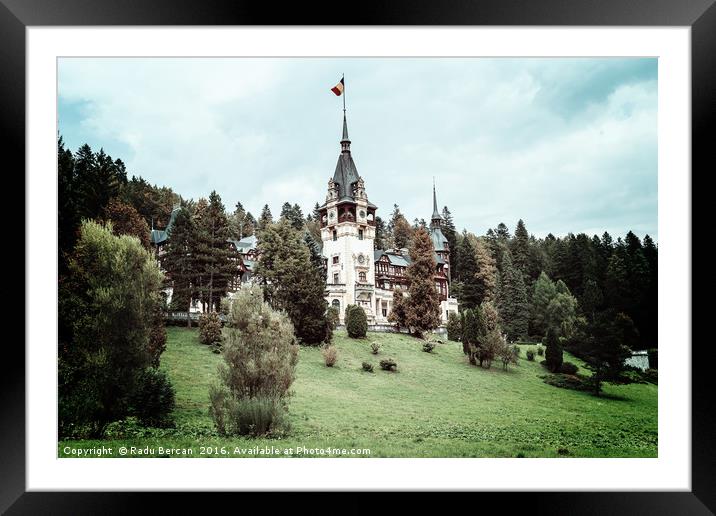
{"x": 562, "y": 381}
{"x": 210, "y": 328}
{"x": 179, "y": 260}
{"x": 214, "y": 258}
{"x": 516, "y": 350}
{"x": 152, "y": 402}
{"x": 428, "y": 346}
{"x": 520, "y": 249}
{"x": 108, "y": 304}
{"x": 530, "y": 355}
{"x": 397, "y": 313}
{"x": 388, "y": 364}
{"x": 367, "y": 366}
{"x": 380, "y": 234}
{"x": 568, "y": 368}
{"x": 540, "y": 351}
{"x": 470, "y": 293}
{"x": 609, "y": 341}
{"x": 553, "y": 355}
{"x": 513, "y": 306}
{"x": 292, "y": 214}
{"x": 157, "y": 337}
{"x": 356, "y": 322}
{"x": 375, "y": 348}
{"x": 454, "y": 327}
{"x": 422, "y": 306}
{"x": 333, "y": 316}
{"x": 292, "y": 282}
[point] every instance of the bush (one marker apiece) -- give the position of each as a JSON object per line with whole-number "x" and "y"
{"x": 388, "y": 364}
{"x": 153, "y": 401}
{"x": 428, "y": 346}
{"x": 356, "y": 322}
{"x": 259, "y": 362}
{"x": 530, "y": 355}
{"x": 333, "y": 316}
{"x": 651, "y": 376}
{"x": 573, "y": 382}
{"x": 554, "y": 351}
{"x": 516, "y": 350}
{"x": 330, "y": 355}
{"x": 367, "y": 366}
{"x": 209, "y": 328}
{"x": 374, "y": 348}
{"x": 454, "y": 327}
{"x": 540, "y": 351}
{"x": 568, "y": 368}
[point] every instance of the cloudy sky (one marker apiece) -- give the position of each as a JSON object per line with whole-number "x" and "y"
{"x": 564, "y": 144}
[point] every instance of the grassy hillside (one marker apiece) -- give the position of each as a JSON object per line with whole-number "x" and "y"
{"x": 435, "y": 405}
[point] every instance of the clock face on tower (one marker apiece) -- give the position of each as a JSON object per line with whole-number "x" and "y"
{"x": 361, "y": 259}
{"x": 362, "y": 214}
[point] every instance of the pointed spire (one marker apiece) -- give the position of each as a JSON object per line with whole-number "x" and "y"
{"x": 345, "y": 141}
{"x": 436, "y": 219}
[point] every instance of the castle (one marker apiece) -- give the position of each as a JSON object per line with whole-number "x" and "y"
{"x": 356, "y": 272}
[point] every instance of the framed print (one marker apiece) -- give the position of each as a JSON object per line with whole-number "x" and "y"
{"x": 415, "y": 251}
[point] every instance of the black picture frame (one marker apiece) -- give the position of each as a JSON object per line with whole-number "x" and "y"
{"x": 700, "y": 15}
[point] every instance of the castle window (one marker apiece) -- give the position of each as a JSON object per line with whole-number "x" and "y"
{"x": 360, "y": 234}
{"x": 335, "y": 260}
{"x": 335, "y": 278}
{"x": 335, "y": 235}
{"x": 361, "y": 277}
{"x": 336, "y": 304}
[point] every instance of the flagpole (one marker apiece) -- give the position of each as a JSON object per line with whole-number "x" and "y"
{"x": 343, "y": 78}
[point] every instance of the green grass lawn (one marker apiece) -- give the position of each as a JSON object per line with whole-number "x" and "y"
{"x": 435, "y": 405}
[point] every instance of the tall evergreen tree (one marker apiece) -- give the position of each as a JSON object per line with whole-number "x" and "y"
{"x": 423, "y": 303}
{"x": 513, "y": 306}
{"x": 179, "y": 259}
{"x": 265, "y": 219}
{"x": 470, "y": 291}
{"x": 520, "y": 249}
{"x": 292, "y": 281}
{"x": 379, "y": 241}
{"x": 216, "y": 258}
{"x": 543, "y": 292}
{"x": 486, "y": 275}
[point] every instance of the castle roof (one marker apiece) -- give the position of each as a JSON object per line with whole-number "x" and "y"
{"x": 346, "y": 173}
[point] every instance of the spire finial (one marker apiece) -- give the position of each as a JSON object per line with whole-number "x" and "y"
{"x": 436, "y": 218}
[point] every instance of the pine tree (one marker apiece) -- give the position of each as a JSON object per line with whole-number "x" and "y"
{"x": 553, "y": 353}
{"x": 544, "y": 291}
{"x": 397, "y": 313}
{"x": 265, "y": 219}
{"x": 379, "y": 241}
{"x": 450, "y": 232}
{"x": 292, "y": 282}
{"x": 513, "y": 305}
{"x": 520, "y": 249}
{"x": 400, "y": 229}
{"x": 179, "y": 259}
{"x": 317, "y": 259}
{"x": 68, "y": 217}
{"x": 216, "y": 259}
{"x": 423, "y": 303}
{"x": 486, "y": 275}
{"x": 471, "y": 295}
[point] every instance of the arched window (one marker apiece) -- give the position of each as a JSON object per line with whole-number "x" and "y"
{"x": 361, "y": 277}
{"x": 336, "y": 304}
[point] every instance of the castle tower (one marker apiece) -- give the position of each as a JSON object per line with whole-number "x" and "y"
{"x": 440, "y": 241}
{"x": 348, "y": 230}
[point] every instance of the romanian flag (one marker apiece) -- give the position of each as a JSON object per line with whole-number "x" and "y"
{"x": 338, "y": 88}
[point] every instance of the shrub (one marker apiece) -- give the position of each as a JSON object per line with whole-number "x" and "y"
{"x": 540, "y": 351}
{"x": 374, "y": 348}
{"x": 259, "y": 362}
{"x": 573, "y": 382}
{"x": 530, "y": 355}
{"x": 454, "y": 327}
{"x": 428, "y": 346}
{"x": 568, "y": 368}
{"x": 333, "y": 316}
{"x": 388, "y": 364}
{"x": 516, "y": 350}
{"x": 356, "y": 322}
{"x": 209, "y": 328}
{"x": 153, "y": 401}
{"x": 330, "y": 355}
{"x": 651, "y": 376}
{"x": 367, "y": 366}
{"x": 554, "y": 351}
